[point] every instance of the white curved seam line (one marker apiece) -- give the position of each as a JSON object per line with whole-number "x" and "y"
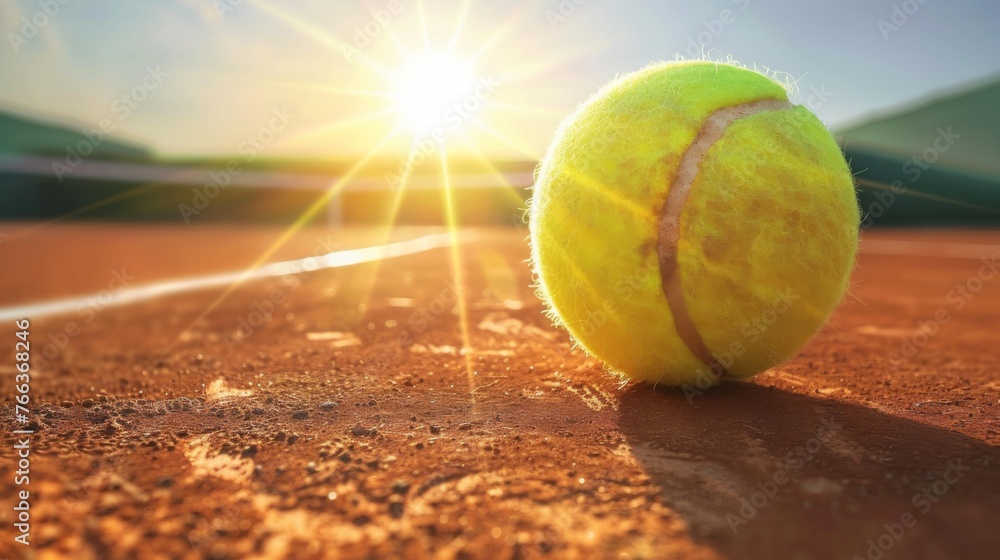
{"x": 669, "y": 225}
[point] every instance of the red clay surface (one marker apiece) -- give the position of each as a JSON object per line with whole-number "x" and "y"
{"x": 352, "y": 424}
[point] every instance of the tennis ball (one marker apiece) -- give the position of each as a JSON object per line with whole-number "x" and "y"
{"x": 689, "y": 224}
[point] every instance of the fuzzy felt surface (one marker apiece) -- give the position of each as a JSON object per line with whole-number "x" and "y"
{"x": 771, "y": 214}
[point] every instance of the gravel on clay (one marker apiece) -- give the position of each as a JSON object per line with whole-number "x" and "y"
{"x": 355, "y": 417}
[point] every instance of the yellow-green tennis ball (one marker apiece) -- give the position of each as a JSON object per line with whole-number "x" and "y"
{"x": 690, "y": 224}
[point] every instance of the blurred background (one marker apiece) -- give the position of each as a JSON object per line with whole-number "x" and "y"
{"x": 239, "y": 225}
{"x": 256, "y": 111}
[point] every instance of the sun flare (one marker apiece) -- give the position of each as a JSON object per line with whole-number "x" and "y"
{"x": 444, "y": 95}
{"x": 428, "y": 87}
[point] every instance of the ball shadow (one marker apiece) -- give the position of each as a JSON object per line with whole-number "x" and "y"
{"x": 760, "y": 473}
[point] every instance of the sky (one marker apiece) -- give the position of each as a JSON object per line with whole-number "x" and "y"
{"x": 329, "y": 79}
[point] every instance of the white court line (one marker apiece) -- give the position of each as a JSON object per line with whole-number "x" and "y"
{"x": 930, "y": 249}
{"x": 336, "y": 259}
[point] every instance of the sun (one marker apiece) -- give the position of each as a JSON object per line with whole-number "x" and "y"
{"x": 428, "y": 87}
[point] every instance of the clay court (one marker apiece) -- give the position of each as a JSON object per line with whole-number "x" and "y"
{"x": 327, "y": 428}
{"x": 268, "y": 292}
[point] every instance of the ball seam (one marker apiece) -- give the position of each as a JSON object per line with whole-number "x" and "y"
{"x": 669, "y": 223}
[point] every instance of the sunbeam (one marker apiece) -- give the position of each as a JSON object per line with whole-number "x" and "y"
{"x": 424, "y": 25}
{"x": 322, "y": 36}
{"x": 501, "y": 31}
{"x": 389, "y": 226}
{"x": 463, "y": 12}
{"x": 332, "y": 89}
{"x": 529, "y": 152}
{"x": 501, "y": 179}
{"x": 925, "y": 196}
{"x": 610, "y": 194}
{"x": 310, "y": 212}
{"x": 545, "y": 62}
{"x": 349, "y": 257}
{"x": 336, "y": 126}
{"x": 457, "y": 272}
{"x": 527, "y": 109}
{"x": 421, "y": 91}
{"x": 131, "y": 193}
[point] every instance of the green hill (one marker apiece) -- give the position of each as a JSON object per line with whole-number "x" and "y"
{"x": 972, "y": 116}
{"x": 24, "y": 135}
{"x": 935, "y": 163}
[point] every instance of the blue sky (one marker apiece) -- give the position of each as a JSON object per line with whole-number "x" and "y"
{"x": 226, "y": 74}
